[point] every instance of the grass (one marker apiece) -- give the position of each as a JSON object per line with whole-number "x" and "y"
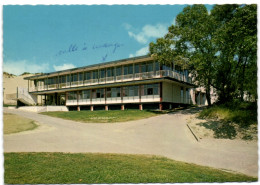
{"x": 104, "y": 116}
{"x": 66, "y": 168}
{"x": 228, "y": 120}
{"x": 14, "y": 123}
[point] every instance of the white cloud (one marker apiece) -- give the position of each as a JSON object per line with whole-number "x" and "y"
{"x": 140, "y": 52}
{"x": 63, "y": 67}
{"x": 148, "y": 31}
{"x": 21, "y": 66}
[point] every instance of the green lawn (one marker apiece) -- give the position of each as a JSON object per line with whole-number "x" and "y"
{"x": 64, "y": 168}
{"x": 14, "y": 123}
{"x": 104, "y": 116}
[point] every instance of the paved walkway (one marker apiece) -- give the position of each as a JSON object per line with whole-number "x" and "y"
{"x": 165, "y": 135}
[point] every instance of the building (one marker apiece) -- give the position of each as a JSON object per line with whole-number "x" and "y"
{"x": 138, "y": 82}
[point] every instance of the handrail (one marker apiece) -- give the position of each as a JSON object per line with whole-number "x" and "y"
{"x": 136, "y": 76}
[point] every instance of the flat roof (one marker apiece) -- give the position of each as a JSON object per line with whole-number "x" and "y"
{"x": 89, "y": 66}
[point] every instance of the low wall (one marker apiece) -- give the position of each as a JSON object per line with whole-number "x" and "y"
{"x": 43, "y": 108}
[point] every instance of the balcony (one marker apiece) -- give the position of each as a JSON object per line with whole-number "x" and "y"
{"x": 121, "y": 78}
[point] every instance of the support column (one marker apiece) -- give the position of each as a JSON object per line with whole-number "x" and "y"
{"x": 170, "y": 106}
{"x": 160, "y": 106}
{"x": 141, "y": 107}
{"x": 106, "y": 107}
{"x": 45, "y": 99}
{"x": 92, "y": 108}
{"x": 78, "y": 108}
{"x": 122, "y": 107}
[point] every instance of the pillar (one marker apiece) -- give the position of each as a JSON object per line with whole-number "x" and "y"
{"x": 122, "y": 107}
{"x": 170, "y": 106}
{"x": 160, "y": 106}
{"x": 106, "y": 107}
{"x": 141, "y": 107}
{"x": 78, "y": 108}
{"x": 91, "y": 107}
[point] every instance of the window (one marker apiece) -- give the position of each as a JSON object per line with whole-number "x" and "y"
{"x": 143, "y": 68}
{"x": 86, "y": 94}
{"x": 75, "y": 77}
{"x": 63, "y": 79}
{"x": 72, "y": 95}
{"x": 100, "y": 93}
{"x": 108, "y": 93}
{"x": 68, "y": 78}
{"x": 126, "y": 91}
{"x": 95, "y": 74}
{"x": 110, "y": 72}
{"x": 156, "y": 89}
{"x": 102, "y": 73}
{"x": 118, "y": 71}
{"x": 94, "y": 93}
{"x": 149, "y": 66}
{"x": 80, "y": 76}
{"x": 150, "y": 89}
{"x": 87, "y": 76}
{"x": 116, "y": 92}
{"x": 136, "y": 68}
{"x": 157, "y": 66}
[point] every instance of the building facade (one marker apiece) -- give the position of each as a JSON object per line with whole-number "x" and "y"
{"x": 138, "y": 82}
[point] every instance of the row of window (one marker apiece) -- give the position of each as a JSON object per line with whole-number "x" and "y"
{"x": 107, "y": 72}
{"x": 113, "y": 92}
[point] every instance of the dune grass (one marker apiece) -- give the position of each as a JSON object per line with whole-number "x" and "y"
{"x": 14, "y": 123}
{"x": 88, "y": 168}
{"x": 232, "y": 120}
{"x": 101, "y": 116}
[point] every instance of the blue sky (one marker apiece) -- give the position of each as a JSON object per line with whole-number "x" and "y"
{"x": 52, "y": 38}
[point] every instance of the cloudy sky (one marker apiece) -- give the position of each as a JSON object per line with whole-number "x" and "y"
{"x": 53, "y": 38}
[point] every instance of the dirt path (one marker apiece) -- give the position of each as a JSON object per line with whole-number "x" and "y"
{"x": 165, "y": 135}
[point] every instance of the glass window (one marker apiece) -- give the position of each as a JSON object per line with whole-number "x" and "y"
{"x": 94, "y": 93}
{"x": 102, "y": 73}
{"x": 149, "y": 67}
{"x": 68, "y": 78}
{"x": 156, "y": 89}
{"x": 150, "y": 89}
{"x": 143, "y": 68}
{"x": 80, "y": 76}
{"x": 125, "y": 70}
{"x": 100, "y": 93}
{"x": 86, "y": 94}
{"x": 136, "y": 68}
{"x": 108, "y": 92}
{"x": 118, "y": 71}
{"x": 114, "y": 93}
{"x": 136, "y": 90}
{"x": 72, "y": 95}
{"x": 75, "y": 77}
{"x": 95, "y": 74}
{"x": 131, "y": 90}
{"x": 130, "y": 69}
{"x": 157, "y": 66}
{"x": 126, "y": 91}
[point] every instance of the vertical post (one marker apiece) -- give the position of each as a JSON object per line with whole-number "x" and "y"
{"x": 140, "y": 106}
{"x": 91, "y": 108}
{"x": 160, "y": 106}
{"x": 122, "y": 107}
{"x": 78, "y": 108}
{"x": 106, "y": 107}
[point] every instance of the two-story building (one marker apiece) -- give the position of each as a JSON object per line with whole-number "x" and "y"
{"x": 138, "y": 82}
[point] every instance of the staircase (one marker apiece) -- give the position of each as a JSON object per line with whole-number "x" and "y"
{"x": 24, "y": 96}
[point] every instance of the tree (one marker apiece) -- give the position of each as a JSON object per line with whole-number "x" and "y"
{"x": 190, "y": 38}
{"x": 236, "y": 42}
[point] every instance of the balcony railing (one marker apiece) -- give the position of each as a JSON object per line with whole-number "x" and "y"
{"x": 129, "y": 77}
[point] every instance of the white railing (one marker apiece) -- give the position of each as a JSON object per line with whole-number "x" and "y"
{"x": 136, "y": 76}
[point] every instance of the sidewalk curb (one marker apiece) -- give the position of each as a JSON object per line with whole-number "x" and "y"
{"x": 193, "y": 132}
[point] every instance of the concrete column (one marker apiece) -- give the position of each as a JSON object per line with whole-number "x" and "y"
{"x": 92, "y": 108}
{"x": 160, "y": 106}
{"x": 78, "y": 108}
{"x": 170, "y": 106}
{"x": 141, "y": 107}
{"x": 122, "y": 107}
{"x": 106, "y": 107}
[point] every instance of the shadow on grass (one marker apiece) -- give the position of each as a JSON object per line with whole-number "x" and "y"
{"x": 221, "y": 130}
